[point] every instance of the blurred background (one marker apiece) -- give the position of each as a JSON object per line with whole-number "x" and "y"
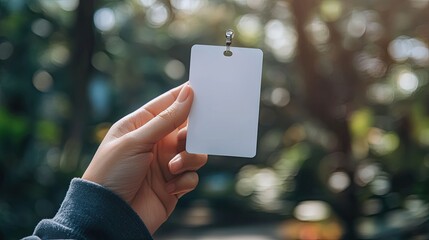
{"x": 343, "y": 149}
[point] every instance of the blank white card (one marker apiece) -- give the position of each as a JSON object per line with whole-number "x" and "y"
{"x": 225, "y": 112}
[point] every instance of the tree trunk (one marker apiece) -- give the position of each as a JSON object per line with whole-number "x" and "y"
{"x": 328, "y": 99}
{"x": 82, "y": 50}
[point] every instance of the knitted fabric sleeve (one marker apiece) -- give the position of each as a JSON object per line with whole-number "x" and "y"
{"x": 90, "y": 211}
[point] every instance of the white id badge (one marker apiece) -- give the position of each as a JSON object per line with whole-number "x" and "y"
{"x": 225, "y": 111}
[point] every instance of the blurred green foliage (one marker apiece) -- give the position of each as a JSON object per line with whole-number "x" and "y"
{"x": 344, "y": 117}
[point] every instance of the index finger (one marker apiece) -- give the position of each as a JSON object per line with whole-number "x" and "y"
{"x": 168, "y": 120}
{"x": 160, "y": 103}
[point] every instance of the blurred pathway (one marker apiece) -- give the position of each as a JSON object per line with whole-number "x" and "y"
{"x": 253, "y": 232}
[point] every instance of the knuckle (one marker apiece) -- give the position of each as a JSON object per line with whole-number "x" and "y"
{"x": 125, "y": 141}
{"x": 193, "y": 178}
{"x": 117, "y": 126}
{"x": 169, "y": 115}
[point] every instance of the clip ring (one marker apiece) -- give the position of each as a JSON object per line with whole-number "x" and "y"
{"x": 229, "y": 35}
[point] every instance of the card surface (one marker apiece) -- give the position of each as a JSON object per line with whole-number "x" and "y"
{"x": 225, "y": 112}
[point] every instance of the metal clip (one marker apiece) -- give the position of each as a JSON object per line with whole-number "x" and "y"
{"x": 229, "y": 35}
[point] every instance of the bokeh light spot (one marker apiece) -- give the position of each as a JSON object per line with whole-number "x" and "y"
{"x": 42, "y": 81}
{"x": 331, "y": 10}
{"x": 157, "y": 15}
{"x": 101, "y": 61}
{"x": 41, "y": 27}
{"x": 357, "y": 24}
{"x": 318, "y": 32}
{"x": 244, "y": 187}
{"x": 382, "y": 142}
{"x": 380, "y": 185}
{"x": 175, "y": 69}
{"x": 146, "y": 3}
{"x": 312, "y": 211}
{"x": 104, "y": 19}
{"x": 256, "y": 4}
{"x": 199, "y": 214}
{"x": 188, "y": 6}
{"x": 339, "y": 181}
{"x": 280, "y": 97}
{"x": 372, "y": 206}
{"x": 366, "y": 173}
{"x": 6, "y": 50}
{"x": 59, "y": 54}
{"x": 281, "y": 40}
{"x": 115, "y": 45}
{"x": 100, "y": 131}
{"x": 68, "y": 5}
{"x": 250, "y": 27}
{"x": 407, "y": 82}
{"x": 404, "y": 47}
{"x": 381, "y": 93}
{"x": 416, "y": 206}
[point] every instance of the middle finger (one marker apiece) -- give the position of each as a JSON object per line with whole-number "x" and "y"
{"x": 185, "y": 161}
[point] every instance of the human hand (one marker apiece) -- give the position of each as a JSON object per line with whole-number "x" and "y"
{"x": 143, "y": 157}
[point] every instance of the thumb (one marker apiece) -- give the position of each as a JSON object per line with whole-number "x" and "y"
{"x": 168, "y": 120}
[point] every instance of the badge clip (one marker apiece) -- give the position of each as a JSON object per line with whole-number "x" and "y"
{"x": 229, "y": 35}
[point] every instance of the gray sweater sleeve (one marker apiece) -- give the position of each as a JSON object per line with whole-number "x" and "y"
{"x": 90, "y": 211}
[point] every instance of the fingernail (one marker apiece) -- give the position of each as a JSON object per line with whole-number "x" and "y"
{"x": 176, "y": 164}
{"x": 171, "y": 187}
{"x": 184, "y": 93}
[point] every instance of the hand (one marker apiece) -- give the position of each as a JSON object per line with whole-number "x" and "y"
{"x": 143, "y": 157}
